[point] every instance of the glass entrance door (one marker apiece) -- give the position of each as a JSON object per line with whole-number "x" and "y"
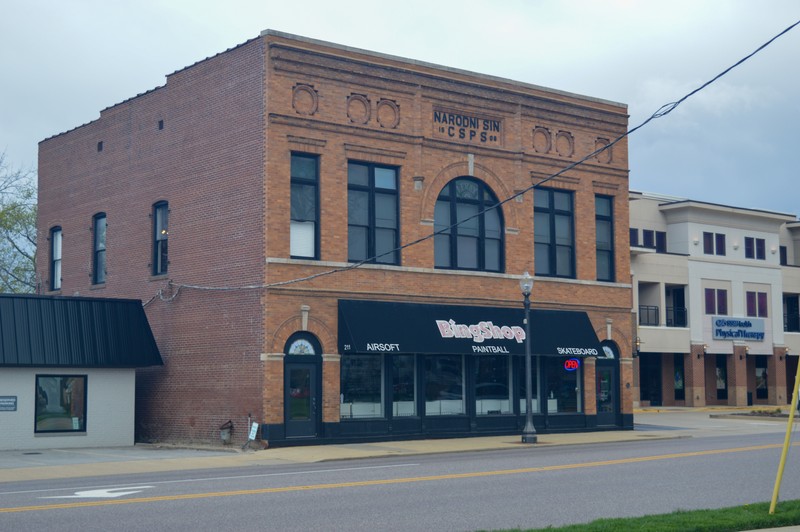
{"x": 300, "y": 402}
{"x": 607, "y": 392}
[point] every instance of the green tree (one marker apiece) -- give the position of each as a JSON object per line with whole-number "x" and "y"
{"x": 17, "y": 229}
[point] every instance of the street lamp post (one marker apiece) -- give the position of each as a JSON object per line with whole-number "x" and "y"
{"x": 529, "y": 432}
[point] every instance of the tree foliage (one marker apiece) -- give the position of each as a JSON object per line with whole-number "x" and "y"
{"x": 17, "y": 229}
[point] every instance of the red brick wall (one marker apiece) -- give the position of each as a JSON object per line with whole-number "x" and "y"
{"x": 222, "y": 161}
{"x": 309, "y": 111}
{"x": 207, "y": 163}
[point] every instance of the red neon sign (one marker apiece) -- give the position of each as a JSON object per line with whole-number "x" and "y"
{"x": 571, "y": 364}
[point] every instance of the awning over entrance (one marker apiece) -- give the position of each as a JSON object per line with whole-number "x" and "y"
{"x": 388, "y": 327}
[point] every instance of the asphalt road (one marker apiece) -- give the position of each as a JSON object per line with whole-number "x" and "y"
{"x": 720, "y": 462}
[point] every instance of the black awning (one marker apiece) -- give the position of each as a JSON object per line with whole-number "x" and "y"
{"x": 84, "y": 332}
{"x": 388, "y": 327}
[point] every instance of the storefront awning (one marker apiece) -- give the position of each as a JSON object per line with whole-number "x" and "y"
{"x": 388, "y": 327}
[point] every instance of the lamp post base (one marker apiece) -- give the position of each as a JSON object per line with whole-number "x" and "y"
{"x": 529, "y": 438}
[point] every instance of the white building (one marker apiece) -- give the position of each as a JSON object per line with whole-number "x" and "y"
{"x": 716, "y": 296}
{"x": 68, "y": 370}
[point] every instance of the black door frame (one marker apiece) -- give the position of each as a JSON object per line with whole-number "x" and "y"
{"x": 311, "y": 360}
{"x": 608, "y": 418}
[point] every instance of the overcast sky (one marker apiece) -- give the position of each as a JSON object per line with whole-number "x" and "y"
{"x": 735, "y": 143}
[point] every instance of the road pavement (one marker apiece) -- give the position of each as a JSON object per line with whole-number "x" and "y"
{"x": 654, "y": 423}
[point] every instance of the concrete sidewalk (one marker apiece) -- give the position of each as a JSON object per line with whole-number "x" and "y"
{"x": 144, "y": 458}
{"x": 652, "y": 423}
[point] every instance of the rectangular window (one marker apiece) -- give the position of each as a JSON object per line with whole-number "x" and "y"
{"x": 444, "y": 385}
{"x": 714, "y": 243}
{"x": 373, "y": 222}
{"x": 521, "y": 387}
{"x": 756, "y": 303}
{"x": 304, "y": 229}
{"x": 361, "y": 387}
{"x": 60, "y": 403}
{"x": 492, "y": 390}
{"x": 784, "y": 256}
{"x": 99, "y": 249}
{"x": 719, "y": 243}
{"x": 680, "y": 383}
{"x": 755, "y": 248}
{"x": 563, "y": 388}
{"x": 716, "y": 301}
{"x": 160, "y": 237}
{"x": 634, "y": 235}
{"x": 554, "y": 235}
{"x": 648, "y": 235}
{"x": 749, "y": 247}
{"x": 404, "y": 386}
{"x": 661, "y": 242}
{"x": 762, "y": 388}
{"x": 55, "y": 258}
{"x": 761, "y": 249}
{"x": 791, "y": 313}
{"x": 708, "y": 243}
{"x": 604, "y": 227}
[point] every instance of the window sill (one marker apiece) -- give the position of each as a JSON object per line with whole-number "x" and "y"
{"x": 97, "y": 286}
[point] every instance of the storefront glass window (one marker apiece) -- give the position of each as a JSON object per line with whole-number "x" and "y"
{"x": 60, "y": 403}
{"x": 361, "y": 386}
{"x": 404, "y": 391}
{"x": 492, "y": 392}
{"x": 444, "y": 385}
{"x": 534, "y": 384}
{"x": 762, "y": 390}
{"x": 680, "y": 383}
{"x": 563, "y": 390}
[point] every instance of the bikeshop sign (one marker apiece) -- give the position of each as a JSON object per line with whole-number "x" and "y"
{"x": 729, "y": 328}
{"x": 388, "y": 327}
{"x": 463, "y": 127}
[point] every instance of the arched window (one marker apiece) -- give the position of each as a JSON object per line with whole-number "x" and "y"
{"x": 302, "y": 343}
{"x": 477, "y": 242}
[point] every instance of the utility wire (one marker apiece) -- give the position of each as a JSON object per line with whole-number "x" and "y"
{"x": 662, "y": 111}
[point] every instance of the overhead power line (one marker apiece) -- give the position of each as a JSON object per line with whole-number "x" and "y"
{"x": 662, "y": 111}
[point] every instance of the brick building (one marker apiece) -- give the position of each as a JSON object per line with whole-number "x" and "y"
{"x": 235, "y": 199}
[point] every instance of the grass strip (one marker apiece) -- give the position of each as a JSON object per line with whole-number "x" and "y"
{"x": 745, "y": 517}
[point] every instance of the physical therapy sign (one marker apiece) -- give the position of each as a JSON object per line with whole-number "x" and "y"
{"x": 729, "y": 328}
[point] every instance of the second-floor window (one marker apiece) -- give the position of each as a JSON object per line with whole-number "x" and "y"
{"x": 661, "y": 241}
{"x": 373, "y": 230}
{"x": 634, "y": 236}
{"x": 604, "y": 226}
{"x": 99, "y": 248}
{"x": 714, "y": 243}
{"x": 160, "y": 237}
{"x": 55, "y": 258}
{"x": 755, "y": 248}
{"x": 304, "y": 230}
{"x": 756, "y": 304}
{"x": 716, "y": 301}
{"x": 471, "y": 226}
{"x": 554, "y": 235}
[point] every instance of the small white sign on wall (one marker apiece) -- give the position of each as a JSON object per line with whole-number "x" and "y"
{"x": 253, "y": 431}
